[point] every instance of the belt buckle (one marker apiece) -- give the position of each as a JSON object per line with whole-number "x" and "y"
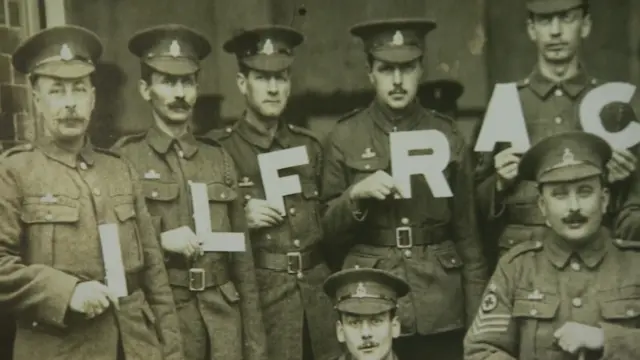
{"x": 404, "y": 237}
{"x": 294, "y": 262}
{"x": 196, "y": 279}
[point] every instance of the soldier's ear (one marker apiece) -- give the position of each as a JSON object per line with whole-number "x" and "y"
{"x": 531, "y": 30}
{"x": 585, "y": 30}
{"x": 606, "y": 196}
{"x": 143, "y": 89}
{"x": 541, "y": 203}
{"x": 340, "y": 332}
{"x": 36, "y": 97}
{"x": 241, "y": 81}
{"x": 395, "y": 327}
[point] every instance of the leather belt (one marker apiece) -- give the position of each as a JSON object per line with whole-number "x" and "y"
{"x": 524, "y": 215}
{"x": 292, "y": 262}
{"x": 404, "y": 237}
{"x": 199, "y": 278}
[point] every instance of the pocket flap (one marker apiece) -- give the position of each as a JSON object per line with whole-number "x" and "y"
{"x": 220, "y": 193}
{"x": 229, "y": 292}
{"x": 49, "y": 213}
{"x": 541, "y": 308}
{"x": 158, "y": 191}
{"x": 359, "y": 260}
{"x": 619, "y": 309}
{"x": 449, "y": 257}
{"x": 125, "y": 211}
{"x": 368, "y": 165}
{"x": 310, "y": 191}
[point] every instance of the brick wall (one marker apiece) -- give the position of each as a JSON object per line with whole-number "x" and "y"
{"x": 15, "y": 123}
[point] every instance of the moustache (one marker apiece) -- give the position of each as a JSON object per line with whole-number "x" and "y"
{"x": 575, "y": 217}
{"x": 368, "y": 345}
{"x": 398, "y": 91}
{"x": 71, "y": 118}
{"x": 179, "y": 105}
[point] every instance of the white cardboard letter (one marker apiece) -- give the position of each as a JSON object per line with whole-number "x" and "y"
{"x": 200, "y": 203}
{"x": 503, "y": 121}
{"x": 112, "y": 258}
{"x": 276, "y": 187}
{"x": 431, "y": 166}
{"x": 211, "y": 241}
{"x": 592, "y": 105}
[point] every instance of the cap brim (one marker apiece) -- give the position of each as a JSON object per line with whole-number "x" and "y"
{"x": 549, "y": 7}
{"x": 171, "y": 66}
{"x": 23, "y": 55}
{"x": 70, "y": 70}
{"x": 422, "y": 26}
{"x": 397, "y": 55}
{"x": 268, "y": 62}
{"x": 570, "y": 173}
{"x": 140, "y": 41}
{"x": 365, "y": 306}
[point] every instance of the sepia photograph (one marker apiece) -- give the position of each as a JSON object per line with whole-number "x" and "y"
{"x": 319, "y": 180}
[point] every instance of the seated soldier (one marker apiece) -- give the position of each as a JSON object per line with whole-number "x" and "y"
{"x": 366, "y": 301}
{"x": 571, "y": 293}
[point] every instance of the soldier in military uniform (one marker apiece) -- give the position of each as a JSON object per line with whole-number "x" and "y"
{"x": 550, "y": 97}
{"x": 290, "y": 265}
{"x": 572, "y": 290}
{"x": 366, "y": 301}
{"x": 216, "y": 293}
{"x": 429, "y": 241}
{"x": 73, "y": 217}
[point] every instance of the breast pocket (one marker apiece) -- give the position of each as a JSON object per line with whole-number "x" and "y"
{"x": 536, "y": 322}
{"x": 159, "y": 196}
{"x": 220, "y": 198}
{"x": 125, "y": 213}
{"x": 621, "y": 306}
{"x": 45, "y": 221}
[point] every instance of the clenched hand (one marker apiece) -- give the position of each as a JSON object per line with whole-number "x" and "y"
{"x": 182, "y": 241}
{"x": 573, "y": 337}
{"x": 92, "y": 298}
{"x": 506, "y": 164}
{"x": 378, "y": 186}
{"x": 260, "y": 214}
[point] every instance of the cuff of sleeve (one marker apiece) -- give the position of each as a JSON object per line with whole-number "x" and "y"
{"x": 497, "y": 204}
{"x": 356, "y": 210}
{"x": 58, "y": 295}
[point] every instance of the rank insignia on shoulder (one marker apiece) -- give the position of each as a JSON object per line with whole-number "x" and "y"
{"x": 48, "y": 199}
{"x": 368, "y": 153}
{"x": 489, "y": 302}
{"x": 246, "y": 182}
{"x": 151, "y": 175}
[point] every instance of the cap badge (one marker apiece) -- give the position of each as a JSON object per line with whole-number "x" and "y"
{"x": 174, "y": 48}
{"x": 567, "y": 157}
{"x": 361, "y": 291}
{"x": 267, "y": 48}
{"x": 398, "y": 39}
{"x": 65, "y": 53}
